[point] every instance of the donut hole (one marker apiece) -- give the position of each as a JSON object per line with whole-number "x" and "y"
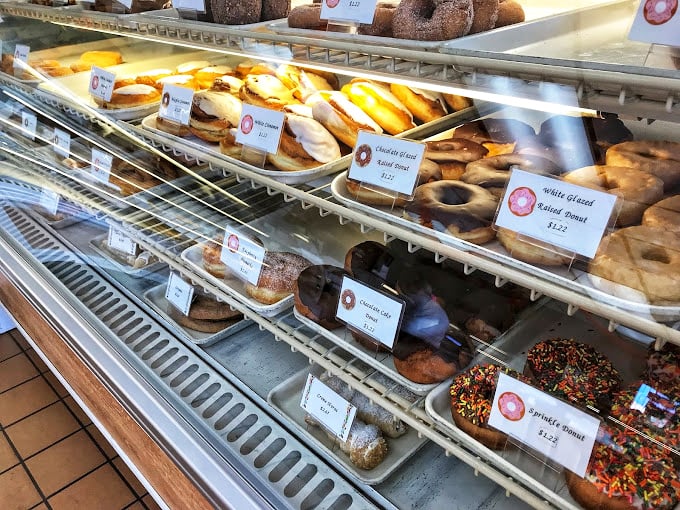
{"x": 656, "y": 255}
{"x": 451, "y": 196}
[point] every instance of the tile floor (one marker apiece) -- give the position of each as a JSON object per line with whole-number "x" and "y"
{"x": 51, "y": 455}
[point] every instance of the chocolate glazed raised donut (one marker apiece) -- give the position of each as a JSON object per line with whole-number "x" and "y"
{"x": 429, "y": 20}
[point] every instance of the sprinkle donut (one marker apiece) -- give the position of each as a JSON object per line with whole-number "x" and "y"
{"x": 658, "y": 12}
{"x": 472, "y": 393}
{"x": 572, "y": 370}
{"x": 429, "y": 20}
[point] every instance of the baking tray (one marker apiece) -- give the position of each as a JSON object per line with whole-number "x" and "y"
{"x": 73, "y": 89}
{"x": 292, "y": 229}
{"x": 533, "y": 9}
{"x": 72, "y": 215}
{"x": 591, "y": 33}
{"x": 155, "y": 297}
{"x": 172, "y": 15}
{"x": 200, "y": 147}
{"x": 285, "y": 399}
{"x": 111, "y": 261}
{"x": 381, "y": 361}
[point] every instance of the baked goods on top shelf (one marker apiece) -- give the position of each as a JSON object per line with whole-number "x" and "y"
{"x": 96, "y": 58}
{"x": 659, "y": 158}
{"x": 279, "y": 273}
{"x": 574, "y": 371}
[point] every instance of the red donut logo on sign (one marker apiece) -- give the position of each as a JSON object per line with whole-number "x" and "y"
{"x": 511, "y": 406}
{"x": 363, "y": 155}
{"x": 522, "y": 201}
{"x": 247, "y": 124}
{"x": 95, "y": 82}
{"x": 332, "y": 3}
{"x": 348, "y": 299}
{"x": 233, "y": 243}
{"x": 658, "y": 12}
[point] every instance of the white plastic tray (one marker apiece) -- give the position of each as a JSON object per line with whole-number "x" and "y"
{"x": 72, "y": 215}
{"x": 285, "y": 398}
{"x": 118, "y": 266}
{"x": 155, "y": 297}
{"x": 381, "y": 361}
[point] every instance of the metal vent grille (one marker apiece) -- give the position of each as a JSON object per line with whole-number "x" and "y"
{"x": 275, "y": 456}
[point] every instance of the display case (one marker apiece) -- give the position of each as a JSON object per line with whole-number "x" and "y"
{"x": 136, "y": 238}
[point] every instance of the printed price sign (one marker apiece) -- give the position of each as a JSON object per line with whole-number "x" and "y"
{"x": 657, "y": 21}
{"x": 550, "y": 426}
{"x": 243, "y": 256}
{"x": 29, "y": 124}
{"x": 386, "y": 162}
{"x": 118, "y": 240}
{"x": 370, "y": 311}
{"x": 355, "y": 11}
{"x": 559, "y": 213}
{"x": 176, "y": 104}
{"x": 179, "y": 293}
{"x": 49, "y": 201}
{"x": 21, "y": 52}
{"x": 61, "y": 143}
{"x": 101, "y": 83}
{"x": 260, "y": 128}
{"x": 189, "y": 5}
{"x": 101, "y": 165}
{"x": 333, "y": 411}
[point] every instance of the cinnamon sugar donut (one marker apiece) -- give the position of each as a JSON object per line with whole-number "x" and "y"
{"x": 280, "y": 271}
{"x": 658, "y": 158}
{"x": 664, "y": 214}
{"x": 307, "y": 16}
{"x": 274, "y": 9}
{"x": 236, "y": 13}
{"x": 485, "y": 15}
{"x": 509, "y": 13}
{"x": 643, "y": 258}
{"x": 382, "y": 21}
{"x": 465, "y": 210}
{"x": 429, "y": 20}
{"x": 637, "y": 190}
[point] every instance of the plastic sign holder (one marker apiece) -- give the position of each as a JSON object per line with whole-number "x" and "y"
{"x": 179, "y": 293}
{"x": 327, "y": 407}
{"x": 346, "y": 15}
{"x": 29, "y": 124}
{"x": 243, "y": 256}
{"x": 175, "y": 107}
{"x": 101, "y": 83}
{"x": 259, "y": 133}
{"x": 189, "y": 9}
{"x": 61, "y": 143}
{"x": 386, "y": 165}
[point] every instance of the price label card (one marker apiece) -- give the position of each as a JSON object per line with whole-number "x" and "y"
{"x": 21, "y": 52}
{"x": 179, "y": 293}
{"x": 329, "y": 408}
{"x": 101, "y": 165}
{"x": 29, "y": 124}
{"x": 61, "y": 143}
{"x": 356, "y": 11}
{"x": 49, "y": 201}
{"x": 118, "y": 240}
{"x": 386, "y": 162}
{"x": 550, "y": 426}
{"x": 375, "y": 314}
{"x": 260, "y": 128}
{"x": 243, "y": 256}
{"x": 126, "y": 3}
{"x": 566, "y": 215}
{"x": 657, "y": 21}
{"x": 176, "y": 104}
{"x": 189, "y": 5}
{"x": 101, "y": 83}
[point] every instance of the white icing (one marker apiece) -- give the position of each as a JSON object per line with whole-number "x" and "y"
{"x": 219, "y": 104}
{"x": 265, "y": 85}
{"x": 314, "y": 138}
{"x": 155, "y": 72}
{"x": 232, "y": 82}
{"x": 299, "y": 109}
{"x": 216, "y": 70}
{"x": 192, "y": 65}
{"x": 136, "y": 88}
{"x": 177, "y": 79}
{"x": 430, "y": 96}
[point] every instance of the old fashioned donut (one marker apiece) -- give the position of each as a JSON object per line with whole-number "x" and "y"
{"x": 382, "y": 21}
{"x": 472, "y": 393}
{"x": 574, "y": 371}
{"x": 497, "y": 135}
{"x": 380, "y": 104}
{"x": 658, "y": 158}
{"x": 643, "y": 258}
{"x": 532, "y": 252}
{"x": 453, "y": 154}
{"x": 509, "y": 13}
{"x": 493, "y": 173}
{"x": 637, "y": 190}
{"x": 464, "y": 210}
{"x": 664, "y": 214}
{"x": 428, "y": 20}
{"x": 425, "y": 106}
{"x": 485, "y": 15}
{"x": 317, "y": 291}
{"x": 280, "y": 271}
{"x": 307, "y": 16}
